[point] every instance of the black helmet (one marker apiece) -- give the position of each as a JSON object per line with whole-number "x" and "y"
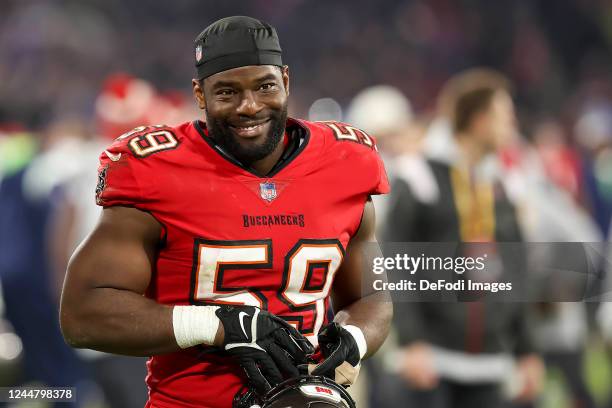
{"x": 308, "y": 392}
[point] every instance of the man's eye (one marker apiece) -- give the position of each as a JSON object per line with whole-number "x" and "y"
{"x": 268, "y": 86}
{"x": 225, "y": 92}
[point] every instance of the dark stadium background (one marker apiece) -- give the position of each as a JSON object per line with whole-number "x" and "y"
{"x": 57, "y": 58}
{"x": 56, "y": 54}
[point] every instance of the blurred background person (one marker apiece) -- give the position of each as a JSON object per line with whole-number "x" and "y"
{"x": 456, "y": 197}
{"x": 593, "y": 133}
{"x": 27, "y": 203}
{"x": 543, "y": 180}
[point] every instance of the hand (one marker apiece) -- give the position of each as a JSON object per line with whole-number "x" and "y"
{"x": 531, "y": 371}
{"x": 417, "y": 366}
{"x": 264, "y": 345}
{"x": 341, "y": 355}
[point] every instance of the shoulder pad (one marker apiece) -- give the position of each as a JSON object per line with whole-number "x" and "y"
{"x": 358, "y": 152}
{"x": 144, "y": 141}
{"x": 343, "y": 132}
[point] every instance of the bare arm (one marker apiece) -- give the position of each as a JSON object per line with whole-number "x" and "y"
{"x": 59, "y": 244}
{"x": 371, "y": 311}
{"x": 103, "y": 306}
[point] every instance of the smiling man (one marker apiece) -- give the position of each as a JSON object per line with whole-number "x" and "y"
{"x": 224, "y": 246}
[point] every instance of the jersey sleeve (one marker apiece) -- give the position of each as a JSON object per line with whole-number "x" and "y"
{"x": 122, "y": 179}
{"x": 363, "y": 167}
{"x": 381, "y": 182}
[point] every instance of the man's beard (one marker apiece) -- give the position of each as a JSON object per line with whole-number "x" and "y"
{"x": 220, "y": 131}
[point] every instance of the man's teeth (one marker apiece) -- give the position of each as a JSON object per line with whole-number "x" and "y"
{"x": 249, "y": 127}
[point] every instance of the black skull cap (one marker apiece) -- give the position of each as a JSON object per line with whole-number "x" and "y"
{"x": 234, "y": 42}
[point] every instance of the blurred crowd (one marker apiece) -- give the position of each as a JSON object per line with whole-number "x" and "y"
{"x": 74, "y": 75}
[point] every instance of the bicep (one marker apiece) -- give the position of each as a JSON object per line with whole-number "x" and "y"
{"x": 118, "y": 254}
{"x": 349, "y": 281}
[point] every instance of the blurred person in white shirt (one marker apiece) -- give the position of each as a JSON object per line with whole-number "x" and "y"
{"x": 386, "y": 113}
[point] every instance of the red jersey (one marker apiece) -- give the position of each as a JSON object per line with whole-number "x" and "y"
{"x": 231, "y": 236}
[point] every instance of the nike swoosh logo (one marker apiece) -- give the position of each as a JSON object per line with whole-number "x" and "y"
{"x": 113, "y": 157}
{"x": 241, "y": 318}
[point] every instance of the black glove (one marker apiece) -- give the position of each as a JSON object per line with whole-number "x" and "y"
{"x": 341, "y": 355}
{"x": 246, "y": 398}
{"x": 264, "y": 345}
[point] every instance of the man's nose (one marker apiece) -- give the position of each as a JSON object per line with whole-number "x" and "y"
{"x": 249, "y": 106}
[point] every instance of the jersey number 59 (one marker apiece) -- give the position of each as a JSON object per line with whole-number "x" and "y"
{"x": 308, "y": 273}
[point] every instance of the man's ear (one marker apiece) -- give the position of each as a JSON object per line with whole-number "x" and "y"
{"x": 285, "y": 74}
{"x": 198, "y": 92}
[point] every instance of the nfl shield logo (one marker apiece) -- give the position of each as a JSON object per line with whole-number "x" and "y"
{"x": 198, "y": 53}
{"x": 267, "y": 190}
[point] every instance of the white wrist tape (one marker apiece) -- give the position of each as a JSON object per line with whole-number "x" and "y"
{"x": 194, "y": 325}
{"x": 359, "y": 339}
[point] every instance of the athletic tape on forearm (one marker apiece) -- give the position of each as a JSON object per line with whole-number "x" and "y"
{"x": 194, "y": 325}
{"x": 359, "y": 339}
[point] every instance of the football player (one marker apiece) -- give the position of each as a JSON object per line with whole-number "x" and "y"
{"x": 224, "y": 244}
